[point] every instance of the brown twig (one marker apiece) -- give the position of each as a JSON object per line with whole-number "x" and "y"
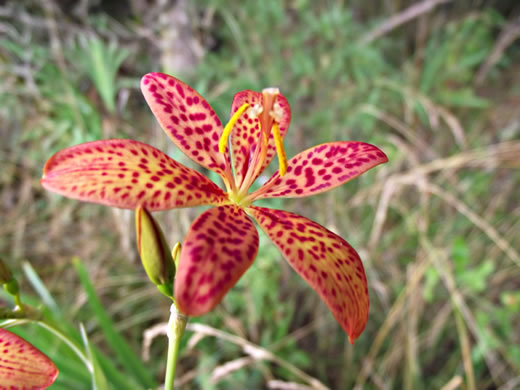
{"x": 453, "y": 384}
{"x": 400, "y": 18}
{"x": 254, "y": 351}
{"x": 509, "y": 34}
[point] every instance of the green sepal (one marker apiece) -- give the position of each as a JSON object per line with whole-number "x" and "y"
{"x": 166, "y": 289}
{"x": 12, "y": 287}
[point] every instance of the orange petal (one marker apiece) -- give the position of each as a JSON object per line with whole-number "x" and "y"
{"x": 326, "y": 261}
{"x": 127, "y": 174}
{"x": 321, "y": 168}
{"x": 188, "y": 119}
{"x": 22, "y": 366}
{"x": 246, "y": 132}
{"x": 219, "y": 247}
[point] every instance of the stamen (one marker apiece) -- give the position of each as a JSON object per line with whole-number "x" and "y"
{"x": 277, "y": 112}
{"x": 272, "y": 91}
{"x": 176, "y": 253}
{"x": 255, "y": 110}
{"x": 227, "y": 130}
{"x": 280, "y": 151}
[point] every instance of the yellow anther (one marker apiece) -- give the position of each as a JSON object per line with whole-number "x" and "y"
{"x": 256, "y": 110}
{"x": 277, "y": 112}
{"x": 176, "y": 253}
{"x": 278, "y": 142}
{"x": 227, "y": 130}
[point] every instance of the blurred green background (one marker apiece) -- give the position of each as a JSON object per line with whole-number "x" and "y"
{"x": 435, "y": 84}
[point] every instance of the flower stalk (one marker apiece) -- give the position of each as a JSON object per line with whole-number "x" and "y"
{"x": 176, "y": 326}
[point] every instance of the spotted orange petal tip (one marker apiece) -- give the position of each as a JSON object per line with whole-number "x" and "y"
{"x": 322, "y": 168}
{"x": 22, "y": 366}
{"x": 188, "y": 119}
{"x": 127, "y": 174}
{"x": 324, "y": 260}
{"x": 219, "y": 247}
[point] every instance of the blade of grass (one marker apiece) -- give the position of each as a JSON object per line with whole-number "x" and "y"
{"x": 99, "y": 381}
{"x": 117, "y": 378}
{"x": 40, "y": 288}
{"x": 54, "y": 321}
{"x": 124, "y": 352}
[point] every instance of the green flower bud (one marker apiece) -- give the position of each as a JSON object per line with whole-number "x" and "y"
{"x": 154, "y": 251}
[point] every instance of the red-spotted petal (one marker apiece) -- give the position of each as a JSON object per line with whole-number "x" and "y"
{"x": 326, "y": 261}
{"x": 246, "y": 132}
{"x": 22, "y": 366}
{"x": 322, "y": 168}
{"x": 219, "y": 247}
{"x": 188, "y": 119}
{"x": 127, "y": 174}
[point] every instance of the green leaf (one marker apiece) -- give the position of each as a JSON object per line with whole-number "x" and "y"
{"x": 117, "y": 343}
{"x": 99, "y": 381}
{"x": 514, "y": 352}
{"x": 460, "y": 255}
{"x": 40, "y": 288}
{"x": 101, "y": 61}
{"x": 436, "y": 57}
{"x": 463, "y": 97}
{"x": 476, "y": 279}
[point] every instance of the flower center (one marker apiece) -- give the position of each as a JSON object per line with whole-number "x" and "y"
{"x": 269, "y": 115}
{"x": 240, "y": 199}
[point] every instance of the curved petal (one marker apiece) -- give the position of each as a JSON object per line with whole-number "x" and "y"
{"x": 127, "y": 174}
{"x": 188, "y": 119}
{"x": 321, "y": 168}
{"x": 246, "y": 132}
{"x": 22, "y": 366}
{"x": 219, "y": 247}
{"x": 324, "y": 260}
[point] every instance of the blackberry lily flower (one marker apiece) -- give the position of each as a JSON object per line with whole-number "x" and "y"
{"x": 222, "y": 242}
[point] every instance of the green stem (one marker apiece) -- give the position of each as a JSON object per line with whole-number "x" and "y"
{"x": 176, "y": 326}
{"x": 18, "y": 302}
